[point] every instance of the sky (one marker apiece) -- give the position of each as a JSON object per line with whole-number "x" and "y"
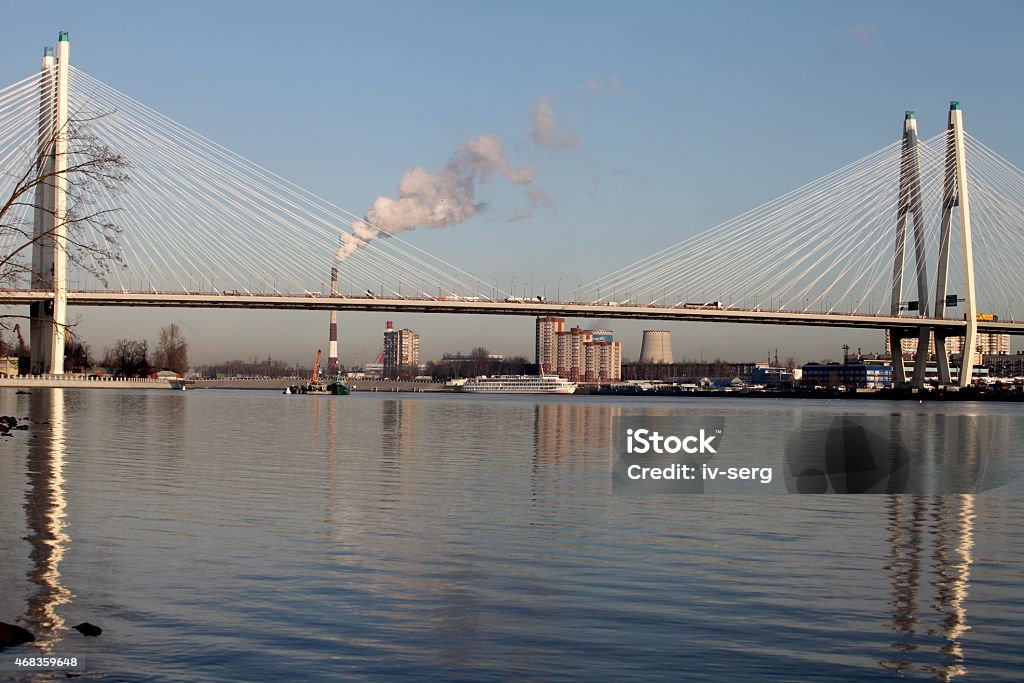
{"x": 656, "y": 120}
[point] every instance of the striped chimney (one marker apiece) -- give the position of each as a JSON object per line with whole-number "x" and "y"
{"x": 332, "y": 351}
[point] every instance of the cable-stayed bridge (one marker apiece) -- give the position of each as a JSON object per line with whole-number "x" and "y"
{"x": 921, "y": 237}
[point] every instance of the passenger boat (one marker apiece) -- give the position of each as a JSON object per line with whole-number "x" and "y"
{"x": 519, "y": 384}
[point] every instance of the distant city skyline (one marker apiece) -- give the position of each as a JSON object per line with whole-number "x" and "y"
{"x": 639, "y": 125}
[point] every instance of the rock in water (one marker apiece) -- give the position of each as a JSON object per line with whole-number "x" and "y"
{"x": 11, "y": 635}
{"x": 87, "y": 629}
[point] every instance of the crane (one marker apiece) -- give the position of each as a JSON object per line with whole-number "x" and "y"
{"x": 316, "y": 368}
{"x": 21, "y": 340}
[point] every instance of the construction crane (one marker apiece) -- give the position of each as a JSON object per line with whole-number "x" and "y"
{"x": 316, "y": 368}
{"x": 21, "y": 340}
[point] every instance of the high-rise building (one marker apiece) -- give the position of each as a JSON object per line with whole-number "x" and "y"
{"x": 602, "y": 361}
{"x": 587, "y": 355}
{"x": 401, "y": 352}
{"x": 547, "y": 343}
{"x": 570, "y": 355}
{"x": 987, "y": 343}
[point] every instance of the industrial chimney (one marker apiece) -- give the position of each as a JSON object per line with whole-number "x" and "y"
{"x": 332, "y": 350}
{"x": 657, "y": 347}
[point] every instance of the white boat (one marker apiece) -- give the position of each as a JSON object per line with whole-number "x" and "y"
{"x": 518, "y": 384}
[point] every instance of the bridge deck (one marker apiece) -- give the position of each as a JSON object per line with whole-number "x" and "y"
{"x": 527, "y": 308}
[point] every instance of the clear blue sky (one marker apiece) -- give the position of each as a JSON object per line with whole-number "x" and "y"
{"x": 709, "y": 109}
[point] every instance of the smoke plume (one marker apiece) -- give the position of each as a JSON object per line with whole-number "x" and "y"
{"x": 546, "y": 132}
{"x": 437, "y": 199}
{"x": 598, "y": 86}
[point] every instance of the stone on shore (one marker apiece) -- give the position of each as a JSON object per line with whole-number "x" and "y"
{"x": 11, "y": 635}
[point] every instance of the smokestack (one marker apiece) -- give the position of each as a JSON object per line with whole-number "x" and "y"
{"x": 332, "y": 350}
{"x": 657, "y": 347}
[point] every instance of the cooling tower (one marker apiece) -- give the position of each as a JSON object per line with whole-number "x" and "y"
{"x": 657, "y": 347}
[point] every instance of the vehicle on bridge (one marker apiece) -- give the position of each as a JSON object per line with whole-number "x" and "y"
{"x": 525, "y": 300}
{"x": 709, "y": 306}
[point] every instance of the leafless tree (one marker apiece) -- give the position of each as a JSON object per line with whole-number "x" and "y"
{"x": 171, "y": 350}
{"x": 94, "y": 176}
{"x": 128, "y": 358}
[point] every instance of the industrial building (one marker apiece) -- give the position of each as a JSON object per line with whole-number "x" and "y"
{"x": 858, "y": 374}
{"x": 1004, "y": 364}
{"x": 769, "y": 376}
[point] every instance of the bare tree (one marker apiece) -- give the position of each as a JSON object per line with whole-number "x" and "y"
{"x": 78, "y": 355}
{"x": 128, "y": 358}
{"x": 172, "y": 350}
{"x": 94, "y": 175}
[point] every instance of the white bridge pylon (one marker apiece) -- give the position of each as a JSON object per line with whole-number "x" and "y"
{"x": 48, "y": 324}
{"x": 955, "y": 195}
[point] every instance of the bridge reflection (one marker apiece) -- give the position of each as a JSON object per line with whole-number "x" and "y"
{"x": 932, "y": 542}
{"x": 46, "y": 516}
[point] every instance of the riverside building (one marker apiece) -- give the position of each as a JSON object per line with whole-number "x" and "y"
{"x": 401, "y": 353}
{"x": 576, "y": 354}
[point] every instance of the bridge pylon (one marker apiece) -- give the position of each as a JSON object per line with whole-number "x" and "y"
{"x": 909, "y": 207}
{"x": 48, "y": 329}
{"x": 955, "y": 194}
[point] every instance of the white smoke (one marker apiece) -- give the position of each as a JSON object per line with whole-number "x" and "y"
{"x": 537, "y": 199}
{"x": 597, "y": 86}
{"x": 436, "y": 199}
{"x": 546, "y": 132}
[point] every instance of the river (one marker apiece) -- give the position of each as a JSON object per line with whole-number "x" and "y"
{"x": 230, "y": 535}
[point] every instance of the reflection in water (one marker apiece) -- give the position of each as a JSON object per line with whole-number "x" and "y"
{"x": 46, "y": 513}
{"x": 560, "y": 427}
{"x": 397, "y": 429}
{"x": 568, "y": 438}
{"x": 948, "y": 522}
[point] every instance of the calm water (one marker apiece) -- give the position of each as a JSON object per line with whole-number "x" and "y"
{"x": 247, "y": 535}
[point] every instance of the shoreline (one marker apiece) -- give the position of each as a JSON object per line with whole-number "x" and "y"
{"x": 1014, "y": 395}
{"x": 965, "y": 394}
{"x": 81, "y": 382}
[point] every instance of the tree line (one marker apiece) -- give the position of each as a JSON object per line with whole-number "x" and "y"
{"x": 132, "y": 358}
{"x": 126, "y": 358}
{"x": 478, "y": 362}
{"x": 252, "y": 368}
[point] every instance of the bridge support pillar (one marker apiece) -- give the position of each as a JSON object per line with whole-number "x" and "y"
{"x": 955, "y": 194}
{"x": 50, "y": 237}
{"x": 899, "y": 369}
